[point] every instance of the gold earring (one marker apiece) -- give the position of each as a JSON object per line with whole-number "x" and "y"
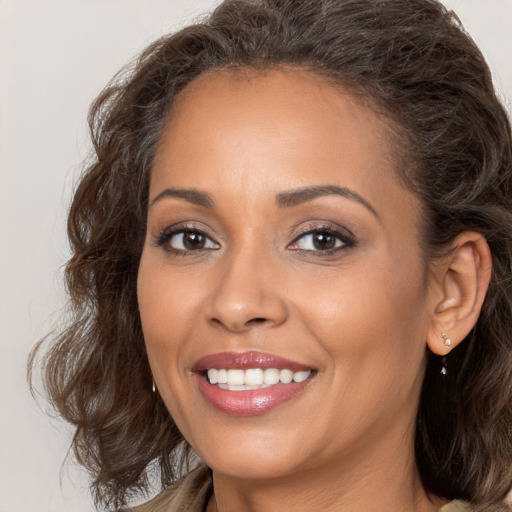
{"x": 154, "y": 386}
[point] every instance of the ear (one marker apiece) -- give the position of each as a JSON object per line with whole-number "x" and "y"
{"x": 458, "y": 287}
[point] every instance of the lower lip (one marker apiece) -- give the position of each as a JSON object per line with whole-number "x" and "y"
{"x": 250, "y": 402}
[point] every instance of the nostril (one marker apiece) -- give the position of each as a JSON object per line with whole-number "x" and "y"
{"x": 256, "y": 321}
{"x": 233, "y": 325}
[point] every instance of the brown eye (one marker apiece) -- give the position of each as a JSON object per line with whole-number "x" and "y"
{"x": 323, "y": 241}
{"x": 193, "y": 240}
{"x": 188, "y": 240}
{"x": 319, "y": 240}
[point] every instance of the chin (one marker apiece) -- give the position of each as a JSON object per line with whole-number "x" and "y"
{"x": 248, "y": 453}
{"x": 253, "y": 466}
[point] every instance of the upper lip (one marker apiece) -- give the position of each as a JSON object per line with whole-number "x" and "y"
{"x": 246, "y": 360}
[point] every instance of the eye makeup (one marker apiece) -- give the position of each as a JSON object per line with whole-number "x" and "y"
{"x": 322, "y": 240}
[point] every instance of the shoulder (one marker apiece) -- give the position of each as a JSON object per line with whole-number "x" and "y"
{"x": 462, "y": 506}
{"x": 456, "y": 506}
{"x": 189, "y": 493}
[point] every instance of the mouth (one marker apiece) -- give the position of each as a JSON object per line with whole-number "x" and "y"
{"x": 249, "y": 383}
{"x": 254, "y": 378}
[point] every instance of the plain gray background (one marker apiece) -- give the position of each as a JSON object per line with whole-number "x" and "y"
{"x": 55, "y": 57}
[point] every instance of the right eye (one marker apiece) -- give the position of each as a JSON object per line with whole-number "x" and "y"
{"x": 187, "y": 240}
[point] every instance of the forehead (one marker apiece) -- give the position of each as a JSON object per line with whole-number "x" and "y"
{"x": 283, "y": 128}
{"x": 288, "y": 101}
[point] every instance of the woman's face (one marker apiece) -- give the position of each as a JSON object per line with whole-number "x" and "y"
{"x": 281, "y": 246}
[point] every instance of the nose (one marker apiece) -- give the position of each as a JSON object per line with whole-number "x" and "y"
{"x": 246, "y": 295}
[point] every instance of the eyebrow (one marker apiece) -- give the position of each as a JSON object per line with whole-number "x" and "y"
{"x": 303, "y": 195}
{"x": 284, "y": 199}
{"x": 188, "y": 194}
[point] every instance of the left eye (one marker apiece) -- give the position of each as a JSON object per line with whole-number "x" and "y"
{"x": 319, "y": 240}
{"x": 190, "y": 240}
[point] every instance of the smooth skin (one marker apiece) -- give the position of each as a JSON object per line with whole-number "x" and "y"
{"x": 336, "y": 282}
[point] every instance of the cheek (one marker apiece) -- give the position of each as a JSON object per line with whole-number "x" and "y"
{"x": 166, "y": 313}
{"x": 167, "y": 297}
{"x": 161, "y": 305}
{"x": 371, "y": 318}
{"x": 371, "y": 327}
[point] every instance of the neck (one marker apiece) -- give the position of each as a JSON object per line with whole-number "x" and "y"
{"x": 385, "y": 479}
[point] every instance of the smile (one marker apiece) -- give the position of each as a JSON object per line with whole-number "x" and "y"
{"x": 254, "y": 378}
{"x": 250, "y": 383}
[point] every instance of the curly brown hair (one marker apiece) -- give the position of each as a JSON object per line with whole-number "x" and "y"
{"x": 415, "y": 63}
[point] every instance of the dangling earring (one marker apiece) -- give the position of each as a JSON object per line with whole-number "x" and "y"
{"x": 153, "y": 386}
{"x": 444, "y": 366}
{"x": 447, "y": 343}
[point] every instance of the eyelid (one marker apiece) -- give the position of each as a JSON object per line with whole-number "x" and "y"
{"x": 165, "y": 235}
{"x": 343, "y": 234}
{"x": 208, "y": 241}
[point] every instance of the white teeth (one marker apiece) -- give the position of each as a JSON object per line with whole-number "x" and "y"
{"x": 286, "y": 376}
{"x": 236, "y": 377}
{"x": 254, "y": 378}
{"x": 271, "y": 376}
{"x": 233, "y": 387}
{"x": 222, "y": 377}
{"x": 213, "y": 376}
{"x": 301, "y": 376}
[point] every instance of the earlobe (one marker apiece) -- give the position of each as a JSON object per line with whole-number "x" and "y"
{"x": 461, "y": 282}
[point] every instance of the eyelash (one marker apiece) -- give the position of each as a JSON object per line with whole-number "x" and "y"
{"x": 166, "y": 236}
{"x": 347, "y": 240}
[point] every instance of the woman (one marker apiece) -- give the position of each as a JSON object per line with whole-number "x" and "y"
{"x": 292, "y": 257}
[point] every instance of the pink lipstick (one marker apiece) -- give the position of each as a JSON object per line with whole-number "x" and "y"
{"x": 250, "y": 383}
